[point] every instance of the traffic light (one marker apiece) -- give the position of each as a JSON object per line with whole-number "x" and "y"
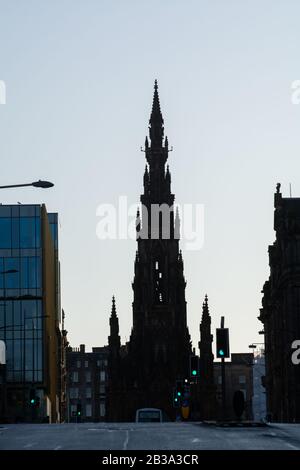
{"x": 176, "y": 399}
{"x": 78, "y": 409}
{"x": 194, "y": 366}
{"x": 32, "y": 397}
{"x": 222, "y": 338}
{"x": 179, "y": 389}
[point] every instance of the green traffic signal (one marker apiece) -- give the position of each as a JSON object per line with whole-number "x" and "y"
{"x": 32, "y": 401}
{"x": 179, "y": 394}
{"x": 221, "y": 352}
{"x": 194, "y": 372}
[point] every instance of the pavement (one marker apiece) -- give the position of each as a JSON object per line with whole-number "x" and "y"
{"x": 144, "y": 436}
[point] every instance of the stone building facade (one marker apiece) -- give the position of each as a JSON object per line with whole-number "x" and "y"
{"x": 280, "y": 312}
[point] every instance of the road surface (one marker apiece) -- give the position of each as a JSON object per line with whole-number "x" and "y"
{"x": 156, "y": 436}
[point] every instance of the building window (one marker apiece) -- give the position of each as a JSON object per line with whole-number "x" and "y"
{"x": 220, "y": 380}
{"x": 88, "y": 410}
{"x": 88, "y": 392}
{"x": 102, "y": 389}
{"x": 102, "y": 409}
{"x": 74, "y": 392}
{"x": 88, "y": 376}
{"x": 86, "y": 363}
{"x": 102, "y": 376}
{"x": 75, "y": 377}
{"x": 102, "y": 363}
{"x": 78, "y": 364}
{"x": 242, "y": 379}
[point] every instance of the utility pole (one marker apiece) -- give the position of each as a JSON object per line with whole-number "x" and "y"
{"x": 222, "y": 339}
{"x": 223, "y": 379}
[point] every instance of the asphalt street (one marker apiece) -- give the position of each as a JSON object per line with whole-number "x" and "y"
{"x": 158, "y": 436}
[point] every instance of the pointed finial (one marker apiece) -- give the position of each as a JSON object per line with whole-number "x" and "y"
{"x": 113, "y": 308}
{"x": 278, "y": 186}
{"x": 205, "y": 309}
{"x": 156, "y": 121}
{"x": 146, "y": 178}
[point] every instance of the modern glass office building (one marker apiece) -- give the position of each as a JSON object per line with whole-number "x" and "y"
{"x": 30, "y": 312}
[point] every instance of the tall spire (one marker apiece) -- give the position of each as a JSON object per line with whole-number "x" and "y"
{"x": 205, "y": 309}
{"x": 114, "y": 338}
{"x": 208, "y": 391}
{"x": 205, "y": 328}
{"x": 113, "y": 308}
{"x": 156, "y": 129}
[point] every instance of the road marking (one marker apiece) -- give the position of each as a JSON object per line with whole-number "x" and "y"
{"x": 196, "y": 440}
{"x": 126, "y": 441}
{"x": 103, "y": 429}
{"x": 28, "y": 445}
{"x": 291, "y": 446}
{"x": 57, "y": 448}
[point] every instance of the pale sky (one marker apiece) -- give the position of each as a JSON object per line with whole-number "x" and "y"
{"x": 79, "y": 77}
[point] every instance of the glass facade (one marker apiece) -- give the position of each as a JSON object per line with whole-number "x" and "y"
{"x": 21, "y": 283}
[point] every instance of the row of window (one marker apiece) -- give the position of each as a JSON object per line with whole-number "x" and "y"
{"x": 88, "y": 376}
{"x": 88, "y": 410}
{"x": 100, "y": 363}
{"x": 74, "y": 392}
{"x": 20, "y": 317}
{"x": 20, "y": 232}
{"x": 21, "y": 328}
{"x": 21, "y": 273}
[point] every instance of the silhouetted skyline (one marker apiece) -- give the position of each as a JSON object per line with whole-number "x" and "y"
{"x": 79, "y": 83}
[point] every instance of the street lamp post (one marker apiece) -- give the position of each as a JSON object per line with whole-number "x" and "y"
{"x": 35, "y": 184}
